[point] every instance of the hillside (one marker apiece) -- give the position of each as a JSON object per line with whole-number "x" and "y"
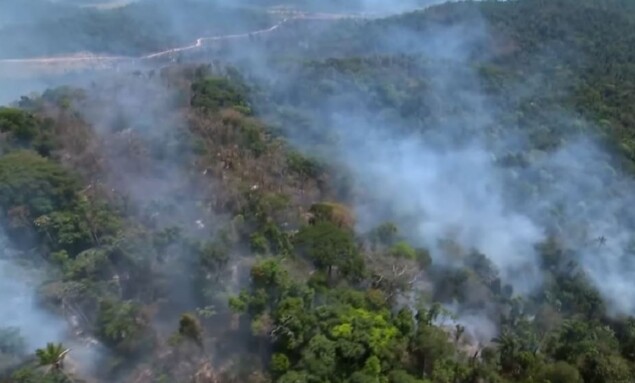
{"x": 438, "y": 196}
{"x": 44, "y": 29}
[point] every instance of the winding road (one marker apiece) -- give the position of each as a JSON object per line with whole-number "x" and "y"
{"x": 89, "y": 58}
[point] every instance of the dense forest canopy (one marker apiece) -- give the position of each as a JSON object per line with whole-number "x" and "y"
{"x": 441, "y": 195}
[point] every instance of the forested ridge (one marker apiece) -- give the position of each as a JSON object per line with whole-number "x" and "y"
{"x": 206, "y": 223}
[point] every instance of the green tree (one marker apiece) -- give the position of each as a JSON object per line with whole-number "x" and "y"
{"x": 213, "y": 93}
{"x": 578, "y": 338}
{"x": 295, "y": 377}
{"x": 430, "y": 346}
{"x": 280, "y": 364}
{"x": 372, "y": 330}
{"x": 403, "y": 250}
{"x": 52, "y": 356}
{"x": 386, "y": 234}
{"x": 319, "y": 358}
{"x": 22, "y": 125}
{"x": 189, "y": 327}
{"x": 213, "y": 259}
{"x": 404, "y": 320}
{"x": 269, "y": 274}
{"x": 329, "y": 246}
{"x": 30, "y": 375}
{"x": 600, "y": 368}
{"x": 120, "y": 324}
{"x": 293, "y": 324}
{"x": 509, "y": 348}
{"x": 560, "y": 372}
{"x": 27, "y": 179}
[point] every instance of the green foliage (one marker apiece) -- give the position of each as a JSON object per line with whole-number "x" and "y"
{"x": 31, "y": 181}
{"x": 101, "y": 219}
{"x": 279, "y": 241}
{"x": 303, "y": 166}
{"x": 259, "y": 243}
{"x": 238, "y": 304}
{"x": 269, "y": 274}
{"x": 403, "y": 250}
{"x": 560, "y": 372}
{"x": 21, "y": 125}
{"x": 213, "y": 257}
{"x": 120, "y": 324}
{"x": 606, "y": 368}
{"x": 84, "y": 224}
{"x": 343, "y": 339}
{"x": 253, "y": 138}
{"x": 294, "y": 377}
{"x": 385, "y": 234}
{"x": 373, "y": 330}
{"x": 431, "y": 346}
{"x": 576, "y": 294}
{"x": 92, "y": 264}
{"x": 214, "y": 93}
{"x": 189, "y": 327}
{"x": 24, "y": 130}
{"x": 404, "y": 321}
{"x": 335, "y": 213}
{"x": 401, "y": 376}
{"x": 625, "y": 332}
{"x": 577, "y": 338}
{"x": 329, "y": 246}
{"x": 51, "y": 355}
{"x": 63, "y": 96}
{"x": 32, "y": 375}
{"x": 66, "y": 230}
{"x": 165, "y": 238}
{"x": 423, "y": 258}
{"x": 319, "y": 358}
{"x": 280, "y": 364}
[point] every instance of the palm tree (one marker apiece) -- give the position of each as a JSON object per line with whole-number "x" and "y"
{"x": 52, "y": 356}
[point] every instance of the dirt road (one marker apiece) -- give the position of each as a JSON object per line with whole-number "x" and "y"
{"x": 92, "y": 59}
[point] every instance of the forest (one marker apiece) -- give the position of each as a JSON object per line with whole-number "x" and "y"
{"x": 442, "y": 195}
